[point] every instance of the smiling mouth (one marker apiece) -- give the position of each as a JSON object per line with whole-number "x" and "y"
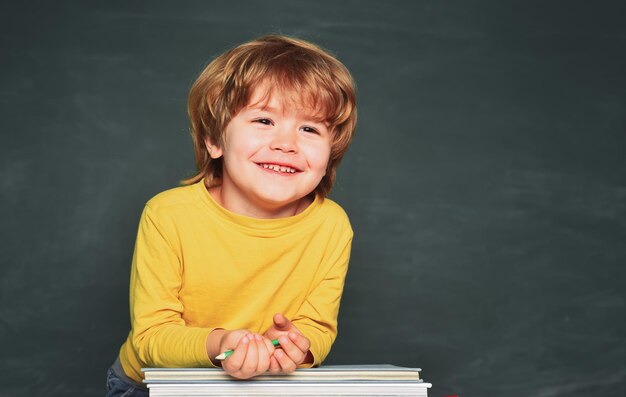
{"x": 279, "y": 168}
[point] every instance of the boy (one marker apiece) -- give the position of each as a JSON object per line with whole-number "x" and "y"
{"x": 250, "y": 250}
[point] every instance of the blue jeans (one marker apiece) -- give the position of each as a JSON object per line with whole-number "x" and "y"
{"x": 118, "y": 387}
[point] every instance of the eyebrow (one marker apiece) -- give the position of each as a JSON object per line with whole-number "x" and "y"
{"x": 264, "y": 108}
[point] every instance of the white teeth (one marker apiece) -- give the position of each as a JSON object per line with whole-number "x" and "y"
{"x": 279, "y": 168}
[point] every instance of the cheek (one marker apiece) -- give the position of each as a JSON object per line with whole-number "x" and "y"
{"x": 318, "y": 158}
{"x": 240, "y": 148}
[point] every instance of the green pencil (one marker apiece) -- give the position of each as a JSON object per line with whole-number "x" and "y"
{"x": 223, "y": 356}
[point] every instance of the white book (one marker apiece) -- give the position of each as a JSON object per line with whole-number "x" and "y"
{"x": 416, "y": 389}
{"x": 320, "y": 374}
{"x": 329, "y": 380}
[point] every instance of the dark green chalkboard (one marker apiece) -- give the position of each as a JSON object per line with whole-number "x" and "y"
{"x": 486, "y": 185}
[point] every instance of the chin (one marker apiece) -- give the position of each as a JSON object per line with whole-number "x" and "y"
{"x": 280, "y": 200}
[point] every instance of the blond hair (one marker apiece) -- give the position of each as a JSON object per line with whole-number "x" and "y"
{"x": 302, "y": 69}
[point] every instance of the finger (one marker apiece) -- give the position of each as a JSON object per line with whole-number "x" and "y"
{"x": 235, "y": 361}
{"x": 274, "y": 365}
{"x": 264, "y": 356}
{"x": 291, "y": 350}
{"x": 269, "y": 345}
{"x": 252, "y": 357}
{"x": 301, "y": 341}
{"x": 287, "y": 365}
{"x": 281, "y": 322}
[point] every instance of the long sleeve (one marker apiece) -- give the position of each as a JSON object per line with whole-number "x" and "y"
{"x": 317, "y": 317}
{"x": 159, "y": 334}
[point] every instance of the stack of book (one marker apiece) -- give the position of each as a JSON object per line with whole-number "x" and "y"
{"x": 330, "y": 380}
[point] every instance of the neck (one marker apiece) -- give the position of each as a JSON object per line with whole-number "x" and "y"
{"x": 259, "y": 212}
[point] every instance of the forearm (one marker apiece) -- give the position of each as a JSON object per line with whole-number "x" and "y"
{"x": 317, "y": 317}
{"x": 173, "y": 345}
{"x": 320, "y": 337}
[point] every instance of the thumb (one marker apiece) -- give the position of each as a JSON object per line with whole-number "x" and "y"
{"x": 281, "y": 322}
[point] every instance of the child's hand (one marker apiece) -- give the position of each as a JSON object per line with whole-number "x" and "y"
{"x": 295, "y": 346}
{"x": 251, "y": 355}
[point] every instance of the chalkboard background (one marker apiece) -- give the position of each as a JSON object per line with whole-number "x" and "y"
{"x": 486, "y": 184}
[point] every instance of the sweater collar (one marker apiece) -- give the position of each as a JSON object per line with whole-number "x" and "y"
{"x": 265, "y": 227}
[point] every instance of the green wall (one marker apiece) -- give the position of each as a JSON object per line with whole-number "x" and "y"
{"x": 486, "y": 184}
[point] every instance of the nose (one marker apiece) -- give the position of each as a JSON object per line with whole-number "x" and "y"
{"x": 285, "y": 140}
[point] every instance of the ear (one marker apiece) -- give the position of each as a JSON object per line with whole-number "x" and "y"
{"x": 214, "y": 151}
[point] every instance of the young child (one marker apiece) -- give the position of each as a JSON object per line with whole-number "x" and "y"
{"x": 250, "y": 250}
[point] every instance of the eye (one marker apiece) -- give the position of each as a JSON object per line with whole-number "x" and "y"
{"x": 306, "y": 128}
{"x": 264, "y": 121}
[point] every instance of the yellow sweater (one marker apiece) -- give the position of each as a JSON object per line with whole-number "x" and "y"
{"x": 197, "y": 267}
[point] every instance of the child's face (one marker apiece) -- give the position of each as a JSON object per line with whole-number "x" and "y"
{"x": 274, "y": 155}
